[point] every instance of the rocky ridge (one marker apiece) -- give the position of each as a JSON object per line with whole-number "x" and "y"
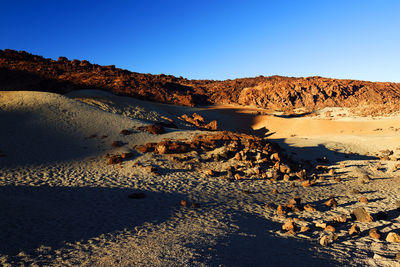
{"x": 24, "y": 71}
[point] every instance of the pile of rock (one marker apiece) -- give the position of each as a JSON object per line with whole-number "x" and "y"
{"x": 198, "y": 121}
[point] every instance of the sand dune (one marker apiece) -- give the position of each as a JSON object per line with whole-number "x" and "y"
{"x": 63, "y": 205}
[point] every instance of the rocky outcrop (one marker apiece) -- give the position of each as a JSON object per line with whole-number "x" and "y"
{"x": 24, "y": 71}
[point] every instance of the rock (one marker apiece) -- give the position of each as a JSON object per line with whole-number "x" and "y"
{"x": 275, "y": 191}
{"x": 183, "y": 203}
{"x": 284, "y": 168}
{"x": 114, "y": 159}
{"x": 306, "y": 183}
{"x": 288, "y": 225}
{"x": 210, "y": 172}
{"x": 309, "y": 207}
{"x": 331, "y": 172}
{"x": 363, "y": 200}
{"x": 304, "y": 228}
{"x": 280, "y": 210}
{"x": 153, "y": 129}
{"x": 397, "y": 257}
{"x": 149, "y": 147}
{"x": 116, "y": 144}
{"x": 320, "y": 225}
{"x": 340, "y": 219}
{"x": 330, "y": 228}
{"x": 125, "y": 132}
{"x": 354, "y": 230}
{"x": 361, "y": 215}
{"x": 275, "y": 157}
{"x": 374, "y": 233}
{"x": 295, "y": 201}
{"x": 331, "y": 203}
{"x": 126, "y": 155}
{"x": 138, "y": 195}
{"x": 286, "y": 178}
{"x": 323, "y": 241}
{"x": 393, "y": 237}
{"x": 237, "y": 176}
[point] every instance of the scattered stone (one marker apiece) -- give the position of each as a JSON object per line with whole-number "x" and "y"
{"x": 393, "y": 237}
{"x": 114, "y": 159}
{"x": 152, "y": 170}
{"x": 374, "y": 233}
{"x": 361, "y": 215}
{"x": 331, "y": 203}
{"x": 309, "y": 207}
{"x": 139, "y": 195}
{"x": 330, "y": 228}
{"x": 183, "y": 203}
{"x": 275, "y": 157}
{"x": 149, "y": 147}
{"x": 295, "y": 201}
{"x": 354, "y": 230}
{"x": 210, "y": 172}
{"x": 363, "y": 200}
{"x": 126, "y": 155}
{"x": 275, "y": 191}
{"x": 397, "y": 257}
{"x": 340, "y": 219}
{"x": 306, "y": 183}
{"x": 342, "y": 165}
{"x": 125, "y": 132}
{"x": 116, "y": 144}
{"x": 237, "y": 176}
{"x": 304, "y": 228}
{"x": 331, "y": 172}
{"x": 286, "y": 178}
{"x": 153, "y": 129}
{"x": 323, "y": 241}
{"x": 320, "y": 225}
{"x": 288, "y": 225}
{"x": 280, "y": 210}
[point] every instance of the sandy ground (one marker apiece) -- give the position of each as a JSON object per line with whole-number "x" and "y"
{"x": 62, "y": 205}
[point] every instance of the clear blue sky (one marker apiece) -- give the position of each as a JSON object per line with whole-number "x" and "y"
{"x": 358, "y": 39}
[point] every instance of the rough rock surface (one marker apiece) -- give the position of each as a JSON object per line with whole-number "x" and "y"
{"x": 24, "y": 71}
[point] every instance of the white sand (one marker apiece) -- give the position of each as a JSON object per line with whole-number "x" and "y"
{"x": 62, "y": 205}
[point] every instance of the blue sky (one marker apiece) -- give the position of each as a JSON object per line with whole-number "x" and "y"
{"x": 205, "y": 39}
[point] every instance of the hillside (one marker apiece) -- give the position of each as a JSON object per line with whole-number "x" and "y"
{"x": 24, "y": 71}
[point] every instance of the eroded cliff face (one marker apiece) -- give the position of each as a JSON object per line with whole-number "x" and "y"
{"x": 24, "y": 71}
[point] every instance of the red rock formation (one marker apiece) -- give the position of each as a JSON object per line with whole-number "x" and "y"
{"x": 24, "y": 71}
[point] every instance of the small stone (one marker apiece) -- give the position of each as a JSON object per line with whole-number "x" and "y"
{"x": 210, "y": 172}
{"x": 304, "y": 228}
{"x": 360, "y": 214}
{"x": 306, "y": 183}
{"x": 295, "y": 201}
{"x": 309, "y": 207}
{"x": 331, "y": 203}
{"x": 125, "y": 132}
{"x": 354, "y": 230}
{"x": 393, "y": 237}
{"x": 397, "y": 257}
{"x": 280, "y": 210}
{"x": 127, "y": 155}
{"x": 374, "y": 233}
{"x": 363, "y": 200}
{"x": 323, "y": 241}
{"x": 288, "y": 225}
{"x": 340, "y": 219}
{"x": 337, "y": 179}
{"x": 320, "y": 225}
{"x": 237, "y": 176}
{"x": 331, "y": 172}
{"x": 286, "y": 178}
{"x": 183, "y": 203}
{"x": 330, "y": 228}
{"x": 275, "y": 191}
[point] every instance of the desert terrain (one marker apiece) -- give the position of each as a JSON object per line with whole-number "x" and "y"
{"x": 97, "y": 176}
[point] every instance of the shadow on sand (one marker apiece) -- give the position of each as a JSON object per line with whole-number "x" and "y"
{"x": 34, "y": 216}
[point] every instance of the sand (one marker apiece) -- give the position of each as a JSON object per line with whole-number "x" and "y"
{"x": 63, "y": 205}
